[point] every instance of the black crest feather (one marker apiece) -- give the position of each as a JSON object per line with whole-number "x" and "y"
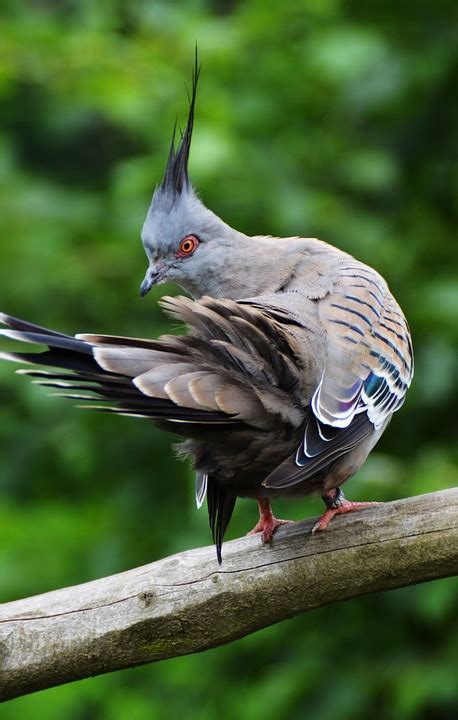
{"x": 176, "y": 172}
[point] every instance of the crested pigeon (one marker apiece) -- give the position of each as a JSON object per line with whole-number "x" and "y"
{"x": 296, "y": 358}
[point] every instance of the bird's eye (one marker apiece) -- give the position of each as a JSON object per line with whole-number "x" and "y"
{"x": 187, "y": 246}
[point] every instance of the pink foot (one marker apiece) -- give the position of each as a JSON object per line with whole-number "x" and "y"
{"x": 267, "y": 523}
{"x": 338, "y": 505}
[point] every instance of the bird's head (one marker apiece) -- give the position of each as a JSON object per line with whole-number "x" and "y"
{"x": 183, "y": 240}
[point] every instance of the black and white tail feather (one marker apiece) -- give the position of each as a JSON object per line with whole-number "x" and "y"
{"x": 216, "y": 377}
{"x": 234, "y": 370}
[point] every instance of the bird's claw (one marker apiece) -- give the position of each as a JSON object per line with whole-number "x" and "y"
{"x": 345, "y": 507}
{"x": 267, "y": 527}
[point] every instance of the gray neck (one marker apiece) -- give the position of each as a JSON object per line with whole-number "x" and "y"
{"x": 245, "y": 267}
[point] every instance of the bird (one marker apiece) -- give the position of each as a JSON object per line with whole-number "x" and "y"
{"x": 295, "y": 358}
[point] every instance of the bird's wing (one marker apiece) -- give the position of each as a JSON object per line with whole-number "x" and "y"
{"x": 228, "y": 370}
{"x": 369, "y": 363}
{"x": 367, "y": 369}
{"x": 231, "y": 371}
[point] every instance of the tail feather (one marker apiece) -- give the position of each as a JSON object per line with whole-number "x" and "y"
{"x": 63, "y": 342}
{"x": 220, "y": 508}
{"x": 221, "y": 373}
{"x": 45, "y": 375}
{"x": 234, "y": 370}
{"x": 67, "y": 353}
{"x": 67, "y": 360}
{"x": 25, "y": 326}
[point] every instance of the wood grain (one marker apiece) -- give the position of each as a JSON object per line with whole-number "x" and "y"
{"x": 187, "y": 603}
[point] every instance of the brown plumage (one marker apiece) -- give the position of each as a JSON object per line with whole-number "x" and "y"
{"x": 242, "y": 387}
{"x": 296, "y": 358}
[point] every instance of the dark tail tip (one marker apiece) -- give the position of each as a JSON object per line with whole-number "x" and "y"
{"x": 220, "y": 509}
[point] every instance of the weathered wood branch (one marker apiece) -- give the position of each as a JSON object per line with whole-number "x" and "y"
{"x": 187, "y": 603}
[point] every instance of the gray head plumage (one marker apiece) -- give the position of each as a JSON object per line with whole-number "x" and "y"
{"x": 183, "y": 240}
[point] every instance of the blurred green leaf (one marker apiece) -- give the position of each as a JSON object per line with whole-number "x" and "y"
{"x": 314, "y": 117}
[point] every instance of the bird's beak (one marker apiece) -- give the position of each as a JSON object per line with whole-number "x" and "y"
{"x": 154, "y": 275}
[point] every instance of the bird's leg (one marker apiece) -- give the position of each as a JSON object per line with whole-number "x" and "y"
{"x": 337, "y": 504}
{"x": 267, "y": 523}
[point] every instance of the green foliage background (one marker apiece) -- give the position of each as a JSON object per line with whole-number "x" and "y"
{"x": 315, "y": 117}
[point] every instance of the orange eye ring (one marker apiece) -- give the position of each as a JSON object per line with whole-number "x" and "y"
{"x": 187, "y": 246}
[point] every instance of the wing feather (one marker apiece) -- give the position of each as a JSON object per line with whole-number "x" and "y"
{"x": 369, "y": 363}
{"x": 228, "y": 368}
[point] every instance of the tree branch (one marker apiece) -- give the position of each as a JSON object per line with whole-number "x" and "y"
{"x": 187, "y": 603}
